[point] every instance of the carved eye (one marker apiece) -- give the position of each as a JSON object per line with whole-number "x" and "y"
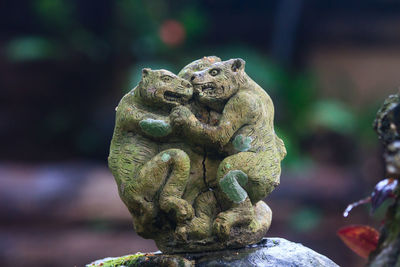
{"x": 166, "y": 78}
{"x": 214, "y": 72}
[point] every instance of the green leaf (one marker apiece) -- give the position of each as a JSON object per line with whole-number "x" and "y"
{"x": 305, "y": 219}
{"x": 334, "y": 116}
{"x": 30, "y": 48}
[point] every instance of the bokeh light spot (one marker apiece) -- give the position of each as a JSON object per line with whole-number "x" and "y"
{"x": 172, "y": 32}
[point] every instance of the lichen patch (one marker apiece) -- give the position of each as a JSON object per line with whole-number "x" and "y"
{"x": 165, "y": 157}
{"x": 231, "y": 184}
{"x": 156, "y": 128}
{"x": 242, "y": 143}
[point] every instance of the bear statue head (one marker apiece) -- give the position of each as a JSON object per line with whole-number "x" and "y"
{"x": 197, "y": 65}
{"x": 214, "y": 85}
{"x": 163, "y": 88}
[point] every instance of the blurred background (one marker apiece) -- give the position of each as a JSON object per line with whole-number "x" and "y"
{"x": 64, "y": 65}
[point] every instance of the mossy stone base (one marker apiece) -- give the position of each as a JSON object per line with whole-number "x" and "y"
{"x": 143, "y": 260}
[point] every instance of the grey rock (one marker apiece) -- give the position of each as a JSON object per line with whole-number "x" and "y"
{"x": 267, "y": 253}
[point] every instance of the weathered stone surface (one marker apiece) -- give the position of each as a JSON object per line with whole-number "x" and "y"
{"x": 268, "y": 252}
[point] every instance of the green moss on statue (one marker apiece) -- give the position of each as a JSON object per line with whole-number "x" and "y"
{"x": 155, "y": 128}
{"x": 241, "y": 143}
{"x": 128, "y": 260}
{"x": 231, "y": 184}
{"x": 140, "y": 259}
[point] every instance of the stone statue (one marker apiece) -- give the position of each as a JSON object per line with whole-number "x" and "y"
{"x": 194, "y": 154}
{"x": 137, "y": 161}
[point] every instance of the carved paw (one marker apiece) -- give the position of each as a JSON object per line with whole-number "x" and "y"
{"x": 180, "y": 115}
{"x": 222, "y": 228}
{"x": 184, "y": 212}
{"x": 145, "y": 208}
{"x": 181, "y": 233}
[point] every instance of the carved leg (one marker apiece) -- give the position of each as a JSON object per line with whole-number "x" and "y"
{"x": 167, "y": 171}
{"x": 238, "y": 214}
{"x": 253, "y": 222}
{"x": 128, "y": 153}
{"x": 263, "y": 218}
{"x": 244, "y": 178}
{"x": 200, "y": 227}
{"x": 143, "y": 214}
{"x": 177, "y": 169}
{"x": 262, "y": 170}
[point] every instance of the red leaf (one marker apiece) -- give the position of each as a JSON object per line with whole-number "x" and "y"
{"x": 361, "y": 239}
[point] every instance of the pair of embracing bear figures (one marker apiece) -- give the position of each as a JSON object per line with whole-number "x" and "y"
{"x": 194, "y": 154}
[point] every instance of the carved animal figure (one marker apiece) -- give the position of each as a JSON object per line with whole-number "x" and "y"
{"x": 149, "y": 178}
{"x": 203, "y": 113}
{"x": 206, "y": 208}
{"x": 244, "y": 133}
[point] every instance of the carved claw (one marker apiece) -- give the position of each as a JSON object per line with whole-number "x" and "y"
{"x": 181, "y": 233}
{"x": 242, "y": 215}
{"x": 180, "y": 115}
{"x": 221, "y": 228}
{"x": 184, "y": 212}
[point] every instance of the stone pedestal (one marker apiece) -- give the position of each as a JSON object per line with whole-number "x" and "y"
{"x": 268, "y": 252}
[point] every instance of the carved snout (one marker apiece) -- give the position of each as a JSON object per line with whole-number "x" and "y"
{"x": 196, "y": 78}
{"x": 186, "y": 84}
{"x": 186, "y": 90}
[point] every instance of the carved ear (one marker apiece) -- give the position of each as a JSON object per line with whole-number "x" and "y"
{"x": 212, "y": 59}
{"x": 145, "y": 72}
{"x": 238, "y": 64}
